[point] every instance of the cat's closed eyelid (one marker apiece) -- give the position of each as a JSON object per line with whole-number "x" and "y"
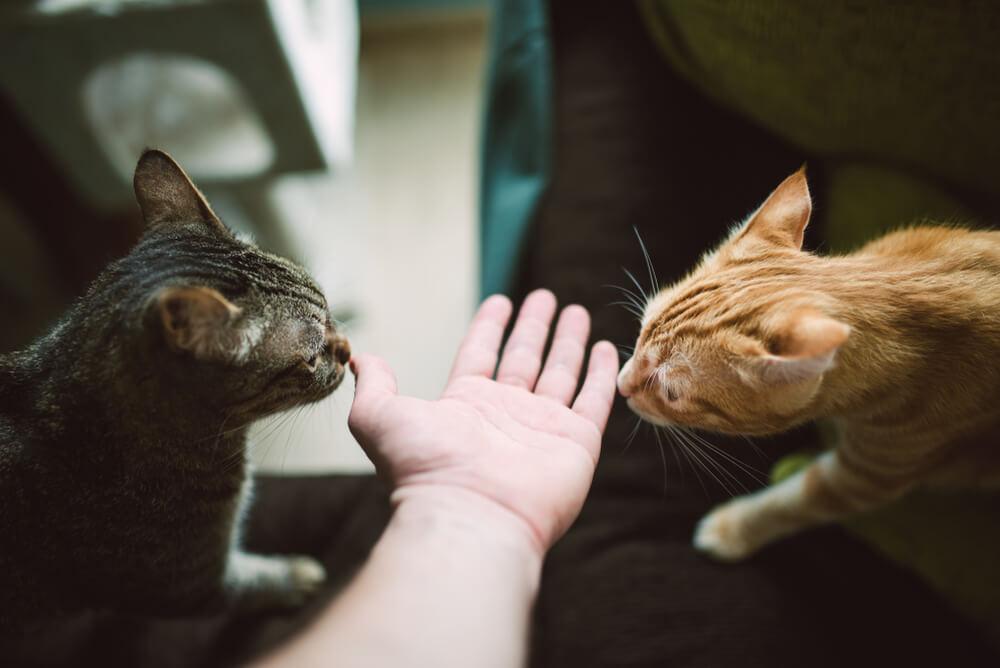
{"x": 312, "y": 362}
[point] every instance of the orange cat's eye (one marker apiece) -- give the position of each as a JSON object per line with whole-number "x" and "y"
{"x": 671, "y": 394}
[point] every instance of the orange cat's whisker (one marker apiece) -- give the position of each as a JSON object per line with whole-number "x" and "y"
{"x": 893, "y": 341}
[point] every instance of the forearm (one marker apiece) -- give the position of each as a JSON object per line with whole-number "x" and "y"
{"x": 451, "y": 582}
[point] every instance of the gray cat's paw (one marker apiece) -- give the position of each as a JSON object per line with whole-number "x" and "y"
{"x": 259, "y": 582}
{"x": 306, "y": 574}
{"x": 721, "y": 535}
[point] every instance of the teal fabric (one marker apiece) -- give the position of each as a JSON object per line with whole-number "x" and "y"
{"x": 516, "y": 142}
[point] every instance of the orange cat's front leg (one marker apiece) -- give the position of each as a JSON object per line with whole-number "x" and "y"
{"x": 823, "y": 492}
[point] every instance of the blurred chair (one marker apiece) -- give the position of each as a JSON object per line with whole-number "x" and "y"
{"x": 239, "y": 91}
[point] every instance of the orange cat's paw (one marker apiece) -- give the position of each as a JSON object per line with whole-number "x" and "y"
{"x": 721, "y": 535}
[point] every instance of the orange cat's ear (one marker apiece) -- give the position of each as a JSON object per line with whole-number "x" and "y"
{"x": 782, "y": 218}
{"x": 199, "y": 321}
{"x": 166, "y": 194}
{"x": 804, "y": 347}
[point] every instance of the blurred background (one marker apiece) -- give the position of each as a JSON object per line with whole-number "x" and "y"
{"x": 348, "y": 135}
{"x": 341, "y": 133}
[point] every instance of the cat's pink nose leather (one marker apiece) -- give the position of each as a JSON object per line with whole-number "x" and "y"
{"x": 624, "y": 379}
{"x": 633, "y": 375}
{"x": 629, "y": 376}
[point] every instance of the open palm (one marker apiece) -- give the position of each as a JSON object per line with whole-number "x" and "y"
{"x": 521, "y": 441}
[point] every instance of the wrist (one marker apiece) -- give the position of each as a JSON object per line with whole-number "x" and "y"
{"x": 462, "y": 516}
{"x": 451, "y": 582}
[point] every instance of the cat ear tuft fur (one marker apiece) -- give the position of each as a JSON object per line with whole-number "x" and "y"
{"x": 199, "y": 321}
{"x": 805, "y": 348}
{"x": 782, "y": 218}
{"x": 167, "y": 195}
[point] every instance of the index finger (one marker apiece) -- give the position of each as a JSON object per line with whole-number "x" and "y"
{"x": 477, "y": 356}
{"x": 598, "y": 391}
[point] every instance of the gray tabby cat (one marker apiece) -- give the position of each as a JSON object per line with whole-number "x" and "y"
{"x": 123, "y": 471}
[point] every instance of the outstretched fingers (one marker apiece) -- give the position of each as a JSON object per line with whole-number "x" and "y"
{"x": 598, "y": 392}
{"x": 561, "y": 374}
{"x": 477, "y": 356}
{"x": 522, "y": 355}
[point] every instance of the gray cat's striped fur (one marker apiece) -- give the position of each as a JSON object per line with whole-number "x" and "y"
{"x": 123, "y": 431}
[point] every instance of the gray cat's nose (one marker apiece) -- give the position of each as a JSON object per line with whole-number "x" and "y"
{"x": 341, "y": 348}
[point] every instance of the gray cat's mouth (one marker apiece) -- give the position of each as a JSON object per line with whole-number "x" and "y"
{"x": 275, "y": 399}
{"x": 336, "y": 378}
{"x": 322, "y": 388}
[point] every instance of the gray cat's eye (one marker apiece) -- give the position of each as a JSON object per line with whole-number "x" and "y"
{"x": 312, "y": 362}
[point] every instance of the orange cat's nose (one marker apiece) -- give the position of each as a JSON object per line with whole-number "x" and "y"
{"x": 625, "y": 387}
{"x": 630, "y": 377}
{"x": 634, "y": 375}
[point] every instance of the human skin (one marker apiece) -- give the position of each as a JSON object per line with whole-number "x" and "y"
{"x": 484, "y": 480}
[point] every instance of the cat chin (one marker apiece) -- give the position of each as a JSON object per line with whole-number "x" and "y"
{"x": 259, "y": 408}
{"x": 317, "y": 394}
{"x": 660, "y": 421}
{"x": 649, "y": 417}
{"x": 325, "y": 390}
{"x": 329, "y": 389}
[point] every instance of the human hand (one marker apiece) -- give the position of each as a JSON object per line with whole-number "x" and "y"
{"x": 520, "y": 442}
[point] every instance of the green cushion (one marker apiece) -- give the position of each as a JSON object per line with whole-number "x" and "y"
{"x": 911, "y": 86}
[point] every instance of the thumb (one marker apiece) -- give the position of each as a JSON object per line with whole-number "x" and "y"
{"x": 374, "y": 383}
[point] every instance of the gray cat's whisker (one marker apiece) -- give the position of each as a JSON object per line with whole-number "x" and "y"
{"x": 176, "y": 349}
{"x": 275, "y": 426}
{"x": 291, "y": 431}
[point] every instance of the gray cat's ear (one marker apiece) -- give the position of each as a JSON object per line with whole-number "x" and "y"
{"x": 167, "y": 195}
{"x": 782, "y": 218}
{"x": 200, "y": 321}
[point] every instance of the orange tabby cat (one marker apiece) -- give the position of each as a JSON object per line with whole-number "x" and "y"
{"x": 899, "y": 342}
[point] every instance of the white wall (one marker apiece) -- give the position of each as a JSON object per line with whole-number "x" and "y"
{"x": 394, "y": 238}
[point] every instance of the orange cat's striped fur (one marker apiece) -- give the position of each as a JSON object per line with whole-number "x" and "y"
{"x": 899, "y": 342}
